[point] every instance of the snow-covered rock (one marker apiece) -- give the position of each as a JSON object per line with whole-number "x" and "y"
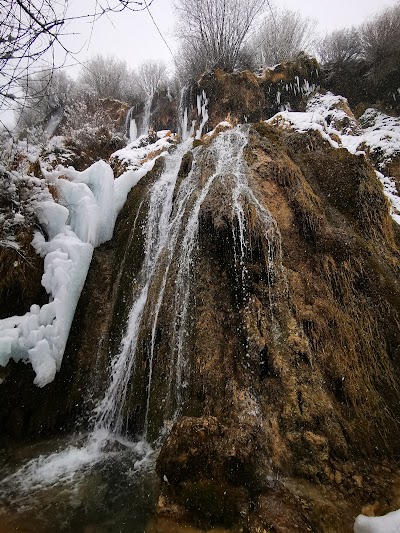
{"x": 83, "y": 218}
{"x": 375, "y": 133}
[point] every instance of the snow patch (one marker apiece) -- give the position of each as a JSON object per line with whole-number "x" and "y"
{"x": 137, "y": 152}
{"x": 390, "y": 191}
{"x": 389, "y": 523}
{"x": 376, "y": 132}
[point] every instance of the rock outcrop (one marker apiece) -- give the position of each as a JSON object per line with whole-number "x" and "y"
{"x": 297, "y": 377}
{"x": 267, "y": 359}
{"x": 244, "y": 97}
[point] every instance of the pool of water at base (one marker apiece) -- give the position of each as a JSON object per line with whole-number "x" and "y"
{"x": 65, "y": 486}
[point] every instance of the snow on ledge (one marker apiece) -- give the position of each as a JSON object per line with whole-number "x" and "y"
{"x": 90, "y": 202}
{"x": 380, "y": 135}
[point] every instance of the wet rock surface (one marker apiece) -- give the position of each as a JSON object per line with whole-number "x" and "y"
{"x": 244, "y": 97}
{"x": 288, "y": 380}
{"x": 285, "y": 378}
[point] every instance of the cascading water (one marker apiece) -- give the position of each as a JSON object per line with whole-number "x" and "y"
{"x": 146, "y": 115}
{"x": 110, "y": 416}
{"x": 243, "y": 197}
{"x": 226, "y": 153}
{"x": 106, "y": 444}
{"x": 170, "y": 238}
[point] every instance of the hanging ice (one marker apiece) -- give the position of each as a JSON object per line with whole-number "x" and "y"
{"x": 91, "y": 202}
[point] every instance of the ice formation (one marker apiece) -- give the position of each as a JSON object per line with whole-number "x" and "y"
{"x": 389, "y": 523}
{"x": 202, "y": 111}
{"x": 89, "y": 203}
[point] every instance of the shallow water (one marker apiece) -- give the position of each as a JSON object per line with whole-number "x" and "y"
{"x": 65, "y": 486}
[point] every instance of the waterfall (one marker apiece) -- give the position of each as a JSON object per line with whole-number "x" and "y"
{"x": 227, "y": 151}
{"x": 165, "y": 278}
{"x": 171, "y": 236}
{"x": 184, "y": 129}
{"x": 130, "y": 125}
{"x": 133, "y": 130}
{"x": 110, "y": 414}
{"x": 146, "y": 115}
{"x": 243, "y": 197}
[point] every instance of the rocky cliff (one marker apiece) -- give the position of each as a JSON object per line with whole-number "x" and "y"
{"x": 263, "y": 267}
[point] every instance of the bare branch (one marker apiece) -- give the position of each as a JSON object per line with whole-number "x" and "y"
{"x": 212, "y": 32}
{"x": 29, "y": 29}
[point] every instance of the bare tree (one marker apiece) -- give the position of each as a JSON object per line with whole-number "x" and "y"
{"x": 108, "y": 77}
{"x": 215, "y": 30}
{"x": 152, "y": 75}
{"x": 191, "y": 63}
{"x": 380, "y": 39}
{"x": 282, "y": 36}
{"x": 340, "y": 47}
{"x": 31, "y": 30}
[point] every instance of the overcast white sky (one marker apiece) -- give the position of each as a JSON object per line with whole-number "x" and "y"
{"x": 133, "y": 37}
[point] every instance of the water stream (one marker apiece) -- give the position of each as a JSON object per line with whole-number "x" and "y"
{"x": 146, "y": 115}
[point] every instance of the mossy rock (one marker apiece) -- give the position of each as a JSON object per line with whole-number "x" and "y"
{"x": 197, "y": 142}
{"x": 211, "y": 503}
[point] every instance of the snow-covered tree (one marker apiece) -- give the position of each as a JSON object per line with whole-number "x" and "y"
{"x": 212, "y": 32}
{"x": 281, "y": 36}
{"x": 109, "y": 77}
{"x": 45, "y": 92}
{"x": 191, "y": 62}
{"x": 152, "y": 75}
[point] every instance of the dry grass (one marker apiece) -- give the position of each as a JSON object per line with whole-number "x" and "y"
{"x": 54, "y": 191}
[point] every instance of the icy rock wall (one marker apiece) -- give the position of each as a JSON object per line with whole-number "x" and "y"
{"x": 89, "y": 203}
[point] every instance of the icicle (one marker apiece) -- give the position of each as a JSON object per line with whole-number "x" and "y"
{"x": 184, "y": 125}
{"x": 202, "y": 111}
{"x": 128, "y": 119}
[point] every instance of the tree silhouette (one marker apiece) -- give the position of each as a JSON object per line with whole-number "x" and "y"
{"x": 33, "y": 31}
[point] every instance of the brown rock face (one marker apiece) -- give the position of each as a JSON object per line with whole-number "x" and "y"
{"x": 244, "y": 97}
{"x": 163, "y": 113}
{"x": 208, "y": 449}
{"x": 293, "y": 373}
